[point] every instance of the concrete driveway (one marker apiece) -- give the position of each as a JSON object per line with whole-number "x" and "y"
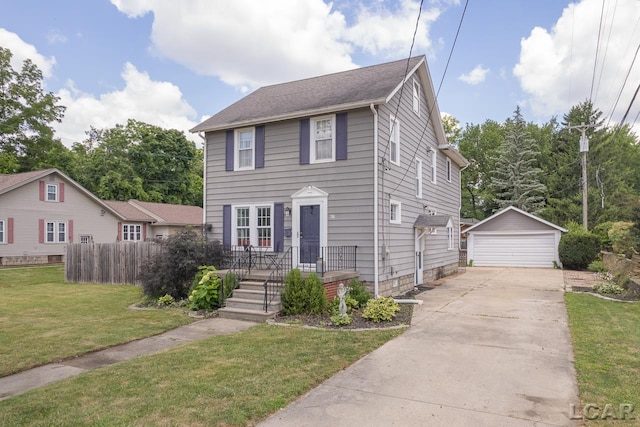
{"x": 489, "y": 347}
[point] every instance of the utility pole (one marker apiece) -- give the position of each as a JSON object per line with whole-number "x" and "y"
{"x": 584, "y": 149}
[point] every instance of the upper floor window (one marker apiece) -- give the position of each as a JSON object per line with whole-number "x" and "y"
{"x": 418, "y": 163}
{"x": 244, "y": 149}
{"x": 416, "y": 97}
{"x": 448, "y": 169}
{"x": 55, "y": 232}
{"x": 434, "y": 166}
{"x": 394, "y": 140}
{"x": 52, "y": 192}
{"x": 450, "y": 238}
{"x": 323, "y": 139}
{"x": 395, "y": 212}
{"x": 2, "y": 231}
{"x": 131, "y": 232}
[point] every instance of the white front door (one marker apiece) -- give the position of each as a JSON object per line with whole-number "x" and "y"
{"x": 419, "y": 258}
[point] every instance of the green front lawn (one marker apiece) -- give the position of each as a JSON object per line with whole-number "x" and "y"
{"x": 231, "y": 380}
{"x": 45, "y": 319}
{"x": 606, "y": 343}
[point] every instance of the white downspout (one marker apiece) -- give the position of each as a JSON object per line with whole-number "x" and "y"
{"x": 376, "y": 249}
{"x": 204, "y": 183}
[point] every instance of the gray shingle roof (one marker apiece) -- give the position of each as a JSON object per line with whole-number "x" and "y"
{"x": 431, "y": 221}
{"x": 346, "y": 89}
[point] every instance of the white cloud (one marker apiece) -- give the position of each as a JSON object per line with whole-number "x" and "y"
{"x": 155, "y": 102}
{"x": 22, "y": 51}
{"x": 378, "y": 30}
{"x": 279, "y": 40}
{"x": 556, "y": 66}
{"x": 56, "y": 37}
{"x": 475, "y": 76}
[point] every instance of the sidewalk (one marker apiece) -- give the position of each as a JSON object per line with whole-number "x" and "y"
{"x": 24, "y": 381}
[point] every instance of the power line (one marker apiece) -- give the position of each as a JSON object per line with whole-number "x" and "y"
{"x": 433, "y": 104}
{"x": 626, "y": 77}
{"x": 595, "y": 62}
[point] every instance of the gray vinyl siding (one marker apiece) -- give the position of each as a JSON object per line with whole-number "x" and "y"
{"x": 24, "y": 206}
{"x": 348, "y": 182}
{"x": 397, "y": 182}
{"x": 513, "y": 221}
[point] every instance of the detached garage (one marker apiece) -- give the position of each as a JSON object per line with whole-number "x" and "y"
{"x": 513, "y": 238}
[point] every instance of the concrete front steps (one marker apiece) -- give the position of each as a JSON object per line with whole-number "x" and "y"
{"x": 247, "y": 303}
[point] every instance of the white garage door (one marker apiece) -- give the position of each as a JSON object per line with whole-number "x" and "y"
{"x": 514, "y": 250}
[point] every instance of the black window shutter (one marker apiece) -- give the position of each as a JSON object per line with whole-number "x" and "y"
{"x": 259, "y": 146}
{"x": 278, "y": 227}
{"x": 226, "y": 225}
{"x": 229, "y": 151}
{"x": 304, "y": 141}
{"x": 341, "y": 136}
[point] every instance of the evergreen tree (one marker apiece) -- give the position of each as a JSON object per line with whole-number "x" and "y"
{"x": 516, "y": 180}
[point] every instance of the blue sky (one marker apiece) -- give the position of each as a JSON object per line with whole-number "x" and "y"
{"x": 174, "y": 63}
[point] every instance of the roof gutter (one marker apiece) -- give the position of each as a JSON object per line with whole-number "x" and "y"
{"x": 376, "y": 249}
{"x": 460, "y": 205}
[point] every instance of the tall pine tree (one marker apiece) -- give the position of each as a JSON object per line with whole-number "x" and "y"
{"x": 516, "y": 180}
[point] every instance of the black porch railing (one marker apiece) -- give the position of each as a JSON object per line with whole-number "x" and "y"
{"x": 275, "y": 281}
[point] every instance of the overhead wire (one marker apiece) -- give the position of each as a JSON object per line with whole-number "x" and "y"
{"x": 595, "y": 62}
{"x": 606, "y": 48}
{"x": 435, "y": 99}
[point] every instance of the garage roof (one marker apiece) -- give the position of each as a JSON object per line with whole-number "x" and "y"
{"x": 514, "y": 209}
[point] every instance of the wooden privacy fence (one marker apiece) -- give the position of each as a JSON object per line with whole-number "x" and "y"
{"x": 118, "y": 262}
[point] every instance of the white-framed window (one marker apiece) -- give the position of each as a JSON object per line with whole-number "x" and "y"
{"x": 85, "y": 239}
{"x": 450, "y": 238}
{"x": 448, "y": 169}
{"x": 323, "y": 139}
{"x": 3, "y": 231}
{"x": 394, "y": 140}
{"x": 395, "y": 212}
{"x": 418, "y": 165}
{"x": 253, "y": 225}
{"x": 52, "y": 193}
{"x": 244, "y": 158}
{"x": 434, "y": 166}
{"x": 131, "y": 232}
{"x": 416, "y": 97}
{"x": 55, "y": 231}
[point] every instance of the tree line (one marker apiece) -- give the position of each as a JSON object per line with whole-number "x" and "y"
{"x": 135, "y": 160}
{"x": 537, "y": 167}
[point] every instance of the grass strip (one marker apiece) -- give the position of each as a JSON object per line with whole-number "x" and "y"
{"x": 232, "y": 380}
{"x": 606, "y": 344}
{"x": 45, "y": 319}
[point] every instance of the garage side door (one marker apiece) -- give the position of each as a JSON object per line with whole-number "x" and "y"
{"x": 533, "y": 250}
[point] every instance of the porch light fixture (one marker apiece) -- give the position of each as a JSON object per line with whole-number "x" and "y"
{"x": 287, "y": 211}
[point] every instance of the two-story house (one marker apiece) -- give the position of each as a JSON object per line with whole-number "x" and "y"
{"x": 356, "y": 158}
{"x": 43, "y": 211}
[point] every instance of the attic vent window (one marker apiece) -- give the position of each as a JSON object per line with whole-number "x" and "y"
{"x": 416, "y": 97}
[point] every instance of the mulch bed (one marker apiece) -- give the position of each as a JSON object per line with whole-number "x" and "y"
{"x": 403, "y": 317}
{"x": 620, "y": 297}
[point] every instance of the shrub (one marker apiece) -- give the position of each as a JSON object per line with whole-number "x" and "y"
{"x": 578, "y": 249}
{"x": 597, "y": 266}
{"x": 381, "y": 309}
{"x": 303, "y": 296}
{"x": 166, "y": 301}
{"x": 338, "y": 320}
{"x": 317, "y": 296}
{"x": 229, "y": 283}
{"x": 205, "y": 294}
{"x": 607, "y": 288}
{"x": 171, "y": 270}
{"x": 622, "y": 238}
{"x": 358, "y": 292}
{"x": 602, "y": 231}
{"x": 293, "y": 296}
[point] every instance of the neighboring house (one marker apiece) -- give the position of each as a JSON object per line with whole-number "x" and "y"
{"x": 357, "y": 158}
{"x": 42, "y": 211}
{"x": 515, "y": 238}
{"x": 142, "y": 220}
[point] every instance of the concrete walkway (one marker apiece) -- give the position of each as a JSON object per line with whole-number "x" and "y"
{"x": 22, "y": 382}
{"x": 490, "y": 347}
